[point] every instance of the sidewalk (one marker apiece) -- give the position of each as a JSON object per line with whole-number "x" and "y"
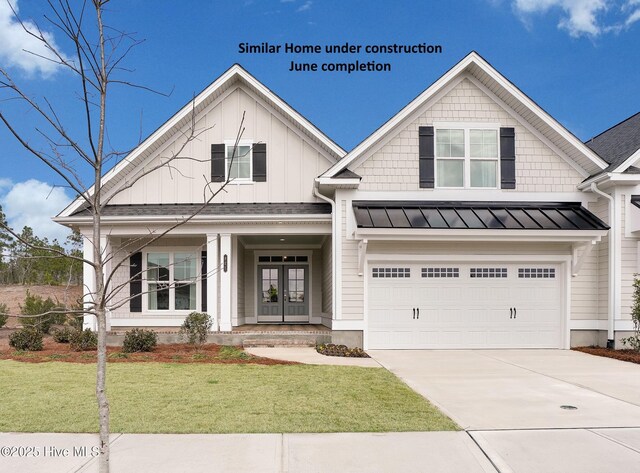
{"x": 436, "y": 452}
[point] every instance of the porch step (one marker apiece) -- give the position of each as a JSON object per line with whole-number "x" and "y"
{"x": 278, "y": 342}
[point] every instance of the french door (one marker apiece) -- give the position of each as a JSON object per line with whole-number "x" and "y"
{"x": 283, "y": 293}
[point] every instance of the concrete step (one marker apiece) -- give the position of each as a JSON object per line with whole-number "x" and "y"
{"x": 278, "y": 342}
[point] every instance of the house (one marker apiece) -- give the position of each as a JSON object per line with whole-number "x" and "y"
{"x": 470, "y": 219}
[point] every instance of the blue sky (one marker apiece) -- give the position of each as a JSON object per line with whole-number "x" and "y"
{"x": 578, "y": 59}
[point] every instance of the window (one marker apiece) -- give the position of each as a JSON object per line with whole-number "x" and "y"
{"x": 171, "y": 280}
{"x": 238, "y": 161}
{"x": 488, "y": 272}
{"x": 440, "y": 272}
{"x": 534, "y": 273}
{"x": 391, "y": 272}
{"x": 466, "y": 157}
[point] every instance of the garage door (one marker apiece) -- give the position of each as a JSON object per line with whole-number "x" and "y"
{"x": 452, "y": 305}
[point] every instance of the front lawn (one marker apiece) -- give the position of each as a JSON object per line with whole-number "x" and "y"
{"x": 212, "y": 398}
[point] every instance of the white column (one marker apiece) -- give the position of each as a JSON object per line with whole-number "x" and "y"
{"x": 89, "y": 283}
{"x": 105, "y": 249}
{"x": 225, "y": 282}
{"x": 213, "y": 264}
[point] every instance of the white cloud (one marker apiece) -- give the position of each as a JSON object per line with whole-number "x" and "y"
{"x": 305, "y": 6}
{"x": 32, "y": 203}
{"x": 21, "y": 50}
{"x": 584, "y": 17}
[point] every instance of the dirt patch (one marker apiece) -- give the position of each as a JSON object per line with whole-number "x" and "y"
{"x": 170, "y": 353}
{"x": 632, "y": 356}
{"x": 13, "y": 296}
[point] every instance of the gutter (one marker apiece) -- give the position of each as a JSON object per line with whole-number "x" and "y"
{"x": 613, "y": 286}
{"x": 334, "y": 282}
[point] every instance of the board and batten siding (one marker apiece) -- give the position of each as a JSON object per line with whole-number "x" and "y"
{"x": 394, "y": 167}
{"x": 293, "y": 160}
{"x": 240, "y": 282}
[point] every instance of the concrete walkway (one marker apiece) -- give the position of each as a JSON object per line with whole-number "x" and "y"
{"x": 310, "y": 356}
{"x": 436, "y": 452}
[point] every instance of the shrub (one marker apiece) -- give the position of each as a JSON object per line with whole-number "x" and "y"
{"x": 634, "y": 340}
{"x": 4, "y": 314}
{"x": 27, "y": 338}
{"x": 34, "y": 305}
{"x": 84, "y": 340}
{"x": 64, "y": 334}
{"x": 139, "y": 340}
{"x": 196, "y": 327}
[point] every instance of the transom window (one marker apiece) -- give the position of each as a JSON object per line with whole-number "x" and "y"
{"x": 535, "y": 273}
{"x": 440, "y": 272}
{"x": 238, "y": 161}
{"x": 467, "y": 157}
{"x": 171, "y": 280}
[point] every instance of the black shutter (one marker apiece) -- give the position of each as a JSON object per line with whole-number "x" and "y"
{"x": 204, "y": 281}
{"x": 260, "y": 162}
{"x": 426, "y": 152}
{"x": 507, "y": 158}
{"x": 135, "y": 282}
{"x": 217, "y": 162}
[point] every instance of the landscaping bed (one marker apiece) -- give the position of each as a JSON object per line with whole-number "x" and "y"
{"x": 632, "y": 356}
{"x": 330, "y": 349}
{"x": 169, "y": 353}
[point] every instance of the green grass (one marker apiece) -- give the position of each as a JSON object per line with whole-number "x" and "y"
{"x": 210, "y": 398}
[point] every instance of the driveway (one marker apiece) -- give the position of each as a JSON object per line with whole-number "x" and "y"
{"x": 510, "y": 403}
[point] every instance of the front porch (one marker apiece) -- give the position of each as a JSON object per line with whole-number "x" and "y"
{"x": 244, "y": 335}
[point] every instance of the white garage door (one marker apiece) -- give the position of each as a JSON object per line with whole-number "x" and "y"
{"x": 452, "y": 305}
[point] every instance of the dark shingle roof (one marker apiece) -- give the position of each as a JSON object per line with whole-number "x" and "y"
{"x": 476, "y": 215}
{"x": 347, "y": 174}
{"x": 617, "y": 143}
{"x": 302, "y": 208}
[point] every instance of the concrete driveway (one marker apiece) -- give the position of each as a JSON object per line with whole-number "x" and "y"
{"x": 509, "y": 402}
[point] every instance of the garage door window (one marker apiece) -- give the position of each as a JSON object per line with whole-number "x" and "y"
{"x": 391, "y": 273}
{"x": 488, "y": 272}
{"x": 440, "y": 272}
{"x": 536, "y": 273}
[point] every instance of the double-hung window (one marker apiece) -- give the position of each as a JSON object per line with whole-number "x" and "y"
{"x": 171, "y": 280}
{"x": 467, "y": 157}
{"x": 238, "y": 161}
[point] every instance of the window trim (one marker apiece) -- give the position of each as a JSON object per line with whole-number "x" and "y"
{"x": 239, "y": 180}
{"x": 466, "y": 169}
{"x": 197, "y": 251}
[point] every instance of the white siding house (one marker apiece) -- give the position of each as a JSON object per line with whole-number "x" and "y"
{"x": 471, "y": 219}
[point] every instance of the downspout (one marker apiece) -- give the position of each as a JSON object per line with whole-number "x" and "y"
{"x": 612, "y": 265}
{"x": 316, "y": 192}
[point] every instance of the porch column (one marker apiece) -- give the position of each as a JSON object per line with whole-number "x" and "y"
{"x": 225, "y": 282}
{"x": 105, "y": 249}
{"x": 89, "y": 284}
{"x": 213, "y": 274}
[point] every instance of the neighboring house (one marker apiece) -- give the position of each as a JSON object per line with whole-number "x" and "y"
{"x": 471, "y": 219}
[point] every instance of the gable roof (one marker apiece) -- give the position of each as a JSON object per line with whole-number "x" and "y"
{"x": 476, "y": 67}
{"x": 619, "y": 143}
{"x": 230, "y": 78}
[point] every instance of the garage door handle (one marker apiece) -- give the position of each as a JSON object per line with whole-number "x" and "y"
{"x": 414, "y": 313}
{"x": 418, "y": 313}
{"x": 515, "y": 312}
{"x": 511, "y": 310}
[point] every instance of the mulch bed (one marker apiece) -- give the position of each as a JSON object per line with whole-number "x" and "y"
{"x": 330, "y": 349}
{"x": 632, "y": 356}
{"x": 169, "y": 353}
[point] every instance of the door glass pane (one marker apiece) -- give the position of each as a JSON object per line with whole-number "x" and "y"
{"x": 296, "y": 284}
{"x": 450, "y": 173}
{"x": 483, "y": 173}
{"x": 269, "y": 285}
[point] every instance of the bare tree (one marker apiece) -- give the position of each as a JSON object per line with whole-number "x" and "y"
{"x": 97, "y": 63}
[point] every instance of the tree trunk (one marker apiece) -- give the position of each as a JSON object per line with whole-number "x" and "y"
{"x": 101, "y": 393}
